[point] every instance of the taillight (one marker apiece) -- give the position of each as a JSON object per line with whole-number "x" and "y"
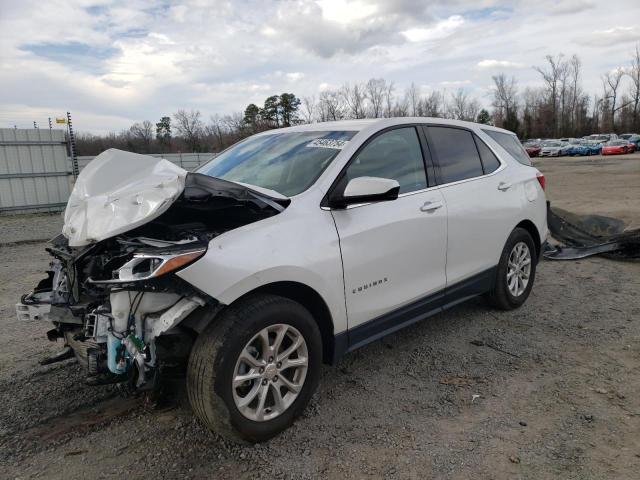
{"x": 541, "y": 180}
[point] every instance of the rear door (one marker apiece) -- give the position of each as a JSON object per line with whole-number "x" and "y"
{"x": 480, "y": 202}
{"x": 393, "y": 252}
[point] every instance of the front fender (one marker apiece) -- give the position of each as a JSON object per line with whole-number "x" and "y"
{"x": 299, "y": 245}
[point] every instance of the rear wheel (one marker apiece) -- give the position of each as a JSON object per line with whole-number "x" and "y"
{"x": 252, "y": 371}
{"x": 516, "y": 271}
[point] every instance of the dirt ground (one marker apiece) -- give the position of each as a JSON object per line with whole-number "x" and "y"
{"x": 551, "y": 390}
{"x": 605, "y": 185}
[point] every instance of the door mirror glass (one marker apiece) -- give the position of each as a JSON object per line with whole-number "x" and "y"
{"x": 367, "y": 190}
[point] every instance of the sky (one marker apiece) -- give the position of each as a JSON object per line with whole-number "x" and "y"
{"x": 112, "y": 63}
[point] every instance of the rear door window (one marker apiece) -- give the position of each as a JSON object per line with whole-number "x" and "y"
{"x": 456, "y": 153}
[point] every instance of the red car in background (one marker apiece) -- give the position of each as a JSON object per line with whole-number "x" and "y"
{"x": 616, "y": 147}
{"x": 533, "y": 149}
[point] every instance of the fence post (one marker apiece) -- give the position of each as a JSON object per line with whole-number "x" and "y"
{"x": 72, "y": 148}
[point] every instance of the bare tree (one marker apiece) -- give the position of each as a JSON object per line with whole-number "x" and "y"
{"x": 505, "y": 103}
{"x": 595, "y": 114}
{"x": 354, "y": 98}
{"x": 388, "y": 100}
{"x": 215, "y": 130}
{"x": 400, "y": 108}
{"x": 189, "y": 125}
{"x": 234, "y": 121}
{"x": 375, "y": 91}
{"x": 553, "y": 77}
{"x": 462, "y": 107}
{"x": 611, "y": 83}
{"x": 575, "y": 66}
{"x": 309, "y": 108}
{"x": 433, "y": 105}
{"x": 412, "y": 97}
{"x": 143, "y": 133}
{"x": 331, "y": 106}
{"x": 634, "y": 93}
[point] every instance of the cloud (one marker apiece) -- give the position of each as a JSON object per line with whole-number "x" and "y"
{"x": 455, "y": 83}
{"x": 567, "y": 7}
{"x": 80, "y": 55}
{"x": 327, "y": 28}
{"x": 611, "y": 36}
{"x": 294, "y": 76}
{"x": 502, "y": 64}
{"x": 130, "y": 60}
{"x": 440, "y": 30}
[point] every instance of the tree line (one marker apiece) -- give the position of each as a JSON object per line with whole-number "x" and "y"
{"x": 559, "y": 107}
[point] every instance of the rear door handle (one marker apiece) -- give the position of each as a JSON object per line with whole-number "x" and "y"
{"x": 430, "y": 206}
{"x": 504, "y": 186}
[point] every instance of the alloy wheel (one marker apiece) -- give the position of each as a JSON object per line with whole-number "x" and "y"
{"x": 270, "y": 372}
{"x": 518, "y": 269}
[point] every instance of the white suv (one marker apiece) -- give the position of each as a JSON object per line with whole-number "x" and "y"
{"x": 289, "y": 249}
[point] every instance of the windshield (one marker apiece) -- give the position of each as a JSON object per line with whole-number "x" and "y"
{"x": 552, "y": 144}
{"x": 288, "y": 163}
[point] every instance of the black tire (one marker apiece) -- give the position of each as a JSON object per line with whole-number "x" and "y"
{"x": 500, "y": 297}
{"x": 215, "y": 353}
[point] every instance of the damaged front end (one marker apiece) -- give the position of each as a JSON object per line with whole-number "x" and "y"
{"x": 111, "y": 292}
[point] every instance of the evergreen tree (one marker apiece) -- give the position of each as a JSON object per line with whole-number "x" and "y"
{"x": 484, "y": 117}
{"x": 289, "y": 105}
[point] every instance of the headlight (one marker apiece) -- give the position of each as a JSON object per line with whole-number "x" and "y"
{"x": 144, "y": 266}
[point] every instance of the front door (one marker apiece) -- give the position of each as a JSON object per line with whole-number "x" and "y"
{"x": 393, "y": 252}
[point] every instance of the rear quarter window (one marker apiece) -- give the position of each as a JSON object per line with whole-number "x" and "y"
{"x": 511, "y": 144}
{"x": 489, "y": 161}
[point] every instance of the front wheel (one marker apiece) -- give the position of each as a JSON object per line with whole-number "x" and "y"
{"x": 516, "y": 271}
{"x": 252, "y": 371}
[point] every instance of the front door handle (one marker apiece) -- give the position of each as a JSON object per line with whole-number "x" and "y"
{"x": 430, "y": 206}
{"x": 504, "y": 186}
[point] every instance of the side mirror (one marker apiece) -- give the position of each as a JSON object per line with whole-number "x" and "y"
{"x": 367, "y": 190}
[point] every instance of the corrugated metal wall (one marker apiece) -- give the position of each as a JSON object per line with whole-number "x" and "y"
{"x": 188, "y": 161}
{"x": 34, "y": 173}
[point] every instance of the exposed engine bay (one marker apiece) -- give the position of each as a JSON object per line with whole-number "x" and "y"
{"x": 117, "y": 303}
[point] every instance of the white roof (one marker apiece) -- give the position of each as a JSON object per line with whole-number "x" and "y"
{"x": 378, "y": 124}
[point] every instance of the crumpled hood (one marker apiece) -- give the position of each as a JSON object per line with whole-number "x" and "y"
{"x": 117, "y": 192}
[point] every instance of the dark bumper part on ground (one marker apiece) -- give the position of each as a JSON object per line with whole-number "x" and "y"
{"x": 587, "y": 235}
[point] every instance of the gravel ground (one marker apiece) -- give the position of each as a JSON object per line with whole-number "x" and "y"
{"x": 548, "y": 391}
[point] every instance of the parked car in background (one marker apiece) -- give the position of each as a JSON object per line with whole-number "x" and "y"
{"x": 633, "y": 138}
{"x": 616, "y": 147}
{"x": 594, "y": 147}
{"x": 554, "y": 148}
{"x": 608, "y": 137}
{"x": 603, "y": 137}
{"x": 577, "y": 148}
{"x": 532, "y": 148}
